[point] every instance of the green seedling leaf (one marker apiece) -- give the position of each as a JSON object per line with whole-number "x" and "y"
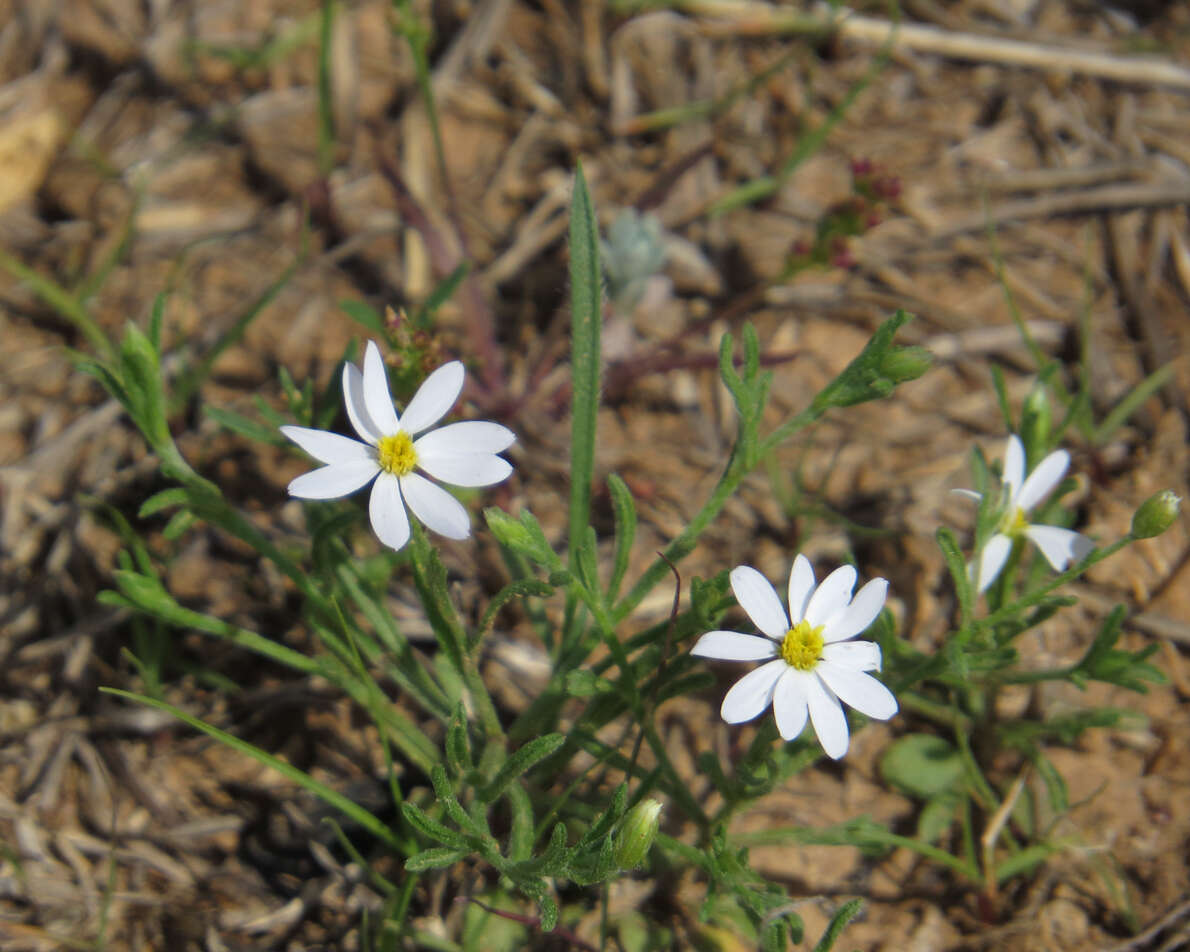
{"x": 923, "y": 765}
{"x": 520, "y": 762}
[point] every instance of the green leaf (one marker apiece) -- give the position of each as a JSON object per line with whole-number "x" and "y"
{"x": 245, "y": 426}
{"x": 584, "y": 560}
{"x": 1026, "y": 860}
{"x": 937, "y": 816}
{"x": 519, "y": 762}
{"x": 549, "y": 913}
{"x": 877, "y": 370}
{"x": 346, "y": 806}
{"x": 458, "y": 744}
{"x": 839, "y": 921}
{"x": 417, "y": 818}
{"x": 519, "y": 588}
{"x": 584, "y": 683}
{"x": 520, "y": 834}
{"x": 445, "y": 290}
{"x": 586, "y": 315}
{"x": 365, "y": 315}
{"x": 624, "y": 510}
{"x": 523, "y": 535}
{"x": 957, "y": 566}
{"x": 166, "y": 499}
{"x": 179, "y": 524}
{"x": 922, "y": 765}
{"x": 429, "y": 577}
{"x": 434, "y": 858}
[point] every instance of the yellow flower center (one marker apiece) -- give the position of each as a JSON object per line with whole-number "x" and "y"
{"x": 396, "y": 454}
{"x": 1014, "y": 523}
{"x": 802, "y": 646}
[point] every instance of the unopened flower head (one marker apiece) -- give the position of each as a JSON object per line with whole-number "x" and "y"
{"x": 395, "y": 447}
{"x": 1059, "y": 546}
{"x": 813, "y": 667}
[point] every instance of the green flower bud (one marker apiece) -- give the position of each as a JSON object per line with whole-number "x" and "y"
{"x": 1156, "y": 514}
{"x": 1035, "y": 423}
{"x": 637, "y": 831}
{"x": 902, "y": 364}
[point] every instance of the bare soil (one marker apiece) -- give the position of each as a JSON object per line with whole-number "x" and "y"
{"x": 138, "y": 154}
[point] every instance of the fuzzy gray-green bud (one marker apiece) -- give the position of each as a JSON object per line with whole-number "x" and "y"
{"x": 637, "y": 832}
{"x": 1155, "y": 514}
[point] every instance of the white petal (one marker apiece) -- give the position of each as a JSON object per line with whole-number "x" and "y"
{"x": 862, "y": 611}
{"x": 331, "y": 482}
{"x": 1059, "y": 546}
{"x": 377, "y": 397}
{"x": 466, "y": 469}
{"x": 390, "y": 522}
{"x": 1014, "y": 467}
{"x": 992, "y": 559}
{"x": 357, "y": 410}
{"x": 470, "y": 436}
{"x": 968, "y": 494}
{"x": 733, "y": 646}
{"x": 328, "y": 447}
{"x": 831, "y": 596}
{"x": 861, "y": 691}
{"x": 435, "y": 507}
{"x": 857, "y": 655}
{"x": 751, "y": 694}
{"x": 826, "y": 714}
{"x": 758, "y": 598}
{"x": 801, "y": 587}
{"x": 434, "y": 397}
{"x": 1044, "y": 479}
{"x": 789, "y": 703}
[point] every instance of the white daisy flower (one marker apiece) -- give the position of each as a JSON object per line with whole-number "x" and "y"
{"x": 812, "y": 670}
{"x": 461, "y": 454}
{"x": 1059, "y": 546}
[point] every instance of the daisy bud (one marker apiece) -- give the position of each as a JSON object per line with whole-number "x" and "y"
{"x": 636, "y": 835}
{"x": 1156, "y": 514}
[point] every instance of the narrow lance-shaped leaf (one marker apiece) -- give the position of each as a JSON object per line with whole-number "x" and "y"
{"x": 335, "y": 799}
{"x": 586, "y": 294}
{"x": 519, "y": 762}
{"x": 624, "y": 511}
